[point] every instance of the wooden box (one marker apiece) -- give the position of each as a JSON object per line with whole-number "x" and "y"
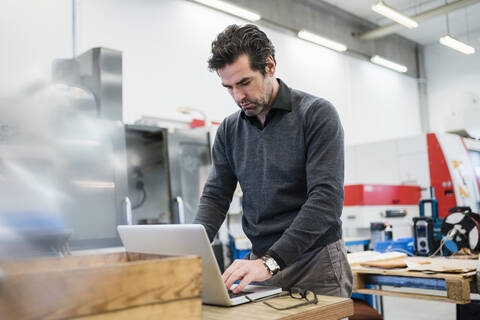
{"x": 109, "y": 286}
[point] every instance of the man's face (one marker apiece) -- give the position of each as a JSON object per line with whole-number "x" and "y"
{"x": 251, "y": 90}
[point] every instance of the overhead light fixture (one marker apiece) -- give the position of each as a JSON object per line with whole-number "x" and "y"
{"x": 457, "y": 45}
{"x": 387, "y": 63}
{"x": 306, "y": 35}
{"x": 92, "y": 184}
{"x": 394, "y": 15}
{"x": 230, "y": 8}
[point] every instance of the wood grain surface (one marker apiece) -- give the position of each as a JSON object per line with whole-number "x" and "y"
{"x": 327, "y": 308}
{"x": 59, "y": 288}
{"x": 457, "y": 284}
{"x": 178, "y": 309}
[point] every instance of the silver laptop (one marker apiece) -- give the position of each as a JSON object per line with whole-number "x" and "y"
{"x": 192, "y": 239}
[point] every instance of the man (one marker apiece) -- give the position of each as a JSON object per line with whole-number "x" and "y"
{"x": 285, "y": 148}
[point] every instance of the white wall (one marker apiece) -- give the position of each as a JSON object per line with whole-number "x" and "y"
{"x": 453, "y": 83}
{"x": 32, "y": 34}
{"x": 165, "y": 46}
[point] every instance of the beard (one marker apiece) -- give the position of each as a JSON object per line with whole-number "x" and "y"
{"x": 252, "y": 108}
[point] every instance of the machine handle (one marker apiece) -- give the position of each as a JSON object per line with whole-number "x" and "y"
{"x": 394, "y": 213}
{"x": 460, "y": 209}
{"x": 434, "y": 203}
{"x": 181, "y": 212}
{"x": 127, "y": 208}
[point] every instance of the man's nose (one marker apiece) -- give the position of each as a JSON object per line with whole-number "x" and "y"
{"x": 238, "y": 95}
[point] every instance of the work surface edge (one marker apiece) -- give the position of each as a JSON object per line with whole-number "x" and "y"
{"x": 416, "y": 274}
{"x": 457, "y": 284}
{"x": 327, "y": 308}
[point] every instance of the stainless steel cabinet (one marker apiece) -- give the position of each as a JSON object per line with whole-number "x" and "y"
{"x": 166, "y": 172}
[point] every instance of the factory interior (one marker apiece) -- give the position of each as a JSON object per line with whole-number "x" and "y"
{"x": 117, "y": 138}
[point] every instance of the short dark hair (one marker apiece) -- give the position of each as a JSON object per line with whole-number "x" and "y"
{"x": 237, "y": 40}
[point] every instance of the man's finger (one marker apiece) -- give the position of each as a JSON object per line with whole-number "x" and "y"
{"x": 234, "y": 266}
{"x": 245, "y": 281}
{"x": 227, "y": 274}
{"x": 237, "y": 275}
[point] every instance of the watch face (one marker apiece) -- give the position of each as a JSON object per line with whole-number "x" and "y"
{"x": 272, "y": 265}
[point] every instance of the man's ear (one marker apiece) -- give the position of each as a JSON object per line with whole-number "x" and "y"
{"x": 270, "y": 66}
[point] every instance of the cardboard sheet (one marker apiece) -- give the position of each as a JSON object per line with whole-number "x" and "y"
{"x": 440, "y": 264}
{"x": 394, "y": 260}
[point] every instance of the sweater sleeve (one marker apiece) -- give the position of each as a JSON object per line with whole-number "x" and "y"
{"x": 218, "y": 190}
{"x": 324, "y": 167}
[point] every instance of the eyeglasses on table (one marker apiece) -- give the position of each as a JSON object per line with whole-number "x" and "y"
{"x": 295, "y": 293}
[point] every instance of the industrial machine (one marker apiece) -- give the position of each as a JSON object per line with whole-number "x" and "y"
{"x": 446, "y": 162}
{"x": 392, "y": 205}
{"x": 383, "y": 171}
{"x": 166, "y": 172}
{"x": 62, "y": 159}
{"x": 95, "y": 153}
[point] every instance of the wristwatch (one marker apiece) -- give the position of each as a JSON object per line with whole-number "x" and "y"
{"x": 271, "y": 265}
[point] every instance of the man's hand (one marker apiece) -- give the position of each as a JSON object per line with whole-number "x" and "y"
{"x": 246, "y": 271}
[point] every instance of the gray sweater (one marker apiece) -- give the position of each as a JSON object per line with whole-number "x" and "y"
{"x": 291, "y": 175}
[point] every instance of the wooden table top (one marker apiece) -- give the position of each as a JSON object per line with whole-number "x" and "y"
{"x": 326, "y": 308}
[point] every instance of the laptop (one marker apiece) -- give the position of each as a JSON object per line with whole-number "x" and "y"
{"x": 191, "y": 239}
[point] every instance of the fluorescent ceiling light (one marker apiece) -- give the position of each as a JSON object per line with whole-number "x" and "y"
{"x": 394, "y": 15}
{"x": 387, "y": 63}
{"x": 303, "y": 34}
{"x": 457, "y": 45}
{"x": 230, "y": 8}
{"x": 94, "y": 184}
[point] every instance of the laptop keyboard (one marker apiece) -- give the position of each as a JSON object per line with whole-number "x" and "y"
{"x": 236, "y": 295}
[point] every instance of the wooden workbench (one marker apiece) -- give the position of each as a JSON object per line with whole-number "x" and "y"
{"x": 326, "y": 308}
{"x": 457, "y": 286}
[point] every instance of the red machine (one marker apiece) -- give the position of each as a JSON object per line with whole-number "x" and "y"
{"x": 396, "y": 174}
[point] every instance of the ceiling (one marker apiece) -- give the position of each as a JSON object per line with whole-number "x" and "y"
{"x": 464, "y": 23}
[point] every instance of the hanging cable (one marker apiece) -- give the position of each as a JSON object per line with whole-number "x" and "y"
{"x": 439, "y": 248}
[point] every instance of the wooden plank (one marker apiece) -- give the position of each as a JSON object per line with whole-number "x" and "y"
{"x": 178, "y": 309}
{"x": 357, "y": 258}
{"x": 61, "y": 264}
{"x": 358, "y": 281}
{"x": 456, "y": 286}
{"x": 327, "y": 308}
{"x": 409, "y": 295}
{"x": 406, "y": 273}
{"x": 458, "y": 290}
{"x": 75, "y": 262}
{"x": 140, "y": 257}
{"x": 91, "y": 285}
